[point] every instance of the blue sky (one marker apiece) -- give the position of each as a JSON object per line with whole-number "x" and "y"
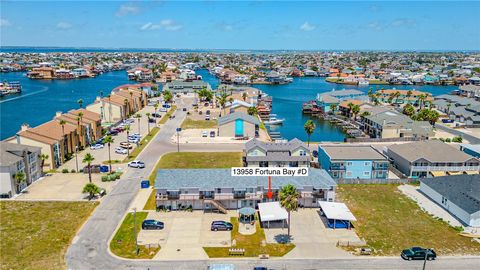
{"x": 243, "y": 25}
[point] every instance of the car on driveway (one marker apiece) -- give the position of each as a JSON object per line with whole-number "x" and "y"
{"x": 136, "y": 164}
{"x": 156, "y": 115}
{"x": 184, "y": 109}
{"x": 205, "y": 134}
{"x": 152, "y": 224}
{"x": 113, "y": 132}
{"x": 163, "y": 110}
{"x": 96, "y": 146}
{"x": 212, "y": 134}
{"x": 120, "y": 150}
{"x": 133, "y": 140}
{"x": 152, "y": 120}
{"x": 418, "y": 253}
{"x": 126, "y": 145}
{"x": 221, "y": 226}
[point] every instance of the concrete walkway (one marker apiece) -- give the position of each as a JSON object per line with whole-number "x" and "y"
{"x": 428, "y": 205}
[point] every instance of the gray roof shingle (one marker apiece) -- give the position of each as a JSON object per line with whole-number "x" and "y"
{"x": 238, "y": 115}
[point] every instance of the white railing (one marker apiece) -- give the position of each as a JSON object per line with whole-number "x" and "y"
{"x": 223, "y": 196}
{"x": 254, "y": 196}
{"x": 189, "y": 196}
{"x": 445, "y": 168}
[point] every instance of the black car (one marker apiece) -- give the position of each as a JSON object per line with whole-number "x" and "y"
{"x": 418, "y": 253}
{"x": 221, "y": 226}
{"x": 156, "y": 115}
{"x": 152, "y": 120}
{"x": 184, "y": 109}
{"x": 113, "y": 132}
{"x": 151, "y": 224}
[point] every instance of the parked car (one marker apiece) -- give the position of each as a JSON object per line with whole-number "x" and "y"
{"x": 128, "y": 121}
{"x": 152, "y": 120}
{"x": 418, "y": 253}
{"x": 133, "y": 139}
{"x": 136, "y": 164}
{"x": 151, "y": 224}
{"x": 315, "y": 153}
{"x": 119, "y": 128}
{"x": 120, "y": 150}
{"x": 221, "y": 226}
{"x": 212, "y": 134}
{"x": 96, "y": 146}
{"x": 184, "y": 109}
{"x": 205, "y": 134}
{"x": 113, "y": 132}
{"x": 126, "y": 145}
{"x": 156, "y": 115}
{"x": 163, "y": 110}
{"x": 207, "y": 112}
{"x": 207, "y": 117}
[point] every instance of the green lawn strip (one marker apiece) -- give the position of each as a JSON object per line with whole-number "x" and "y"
{"x": 390, "y": 222}
{"x": 192, "y": 160}
{"x": 36, "y": 235}
{"x": 123, "y": 243}
{"x": 251, "y": 243}
{"x": 168, "y": 114}
{"x": 143, "y": 143}
{"x": 189, "y": 123}
{"x": 114, "y": 161}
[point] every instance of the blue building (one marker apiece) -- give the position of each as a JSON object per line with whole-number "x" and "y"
{"x": 325, "y": 100}
{"x": 353, "y": 162}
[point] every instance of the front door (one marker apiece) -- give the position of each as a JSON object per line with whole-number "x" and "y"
{"x": 239, "y": 128}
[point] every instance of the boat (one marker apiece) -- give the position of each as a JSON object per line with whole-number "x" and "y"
{"x": 7, "y": 88}
{"x": 363, "y": 83}
{"x": 273, "y": 120}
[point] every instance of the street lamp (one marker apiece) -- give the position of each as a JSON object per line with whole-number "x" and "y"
{"x": 425, "y": 259}
{"x": 178, "y": 143}
{"x": 76, "y": 157}
{"x": 135, "y": 229}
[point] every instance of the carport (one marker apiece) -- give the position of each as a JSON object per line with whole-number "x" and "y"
{"x": 272, "y": 211}
{"x": 337, "y": 212}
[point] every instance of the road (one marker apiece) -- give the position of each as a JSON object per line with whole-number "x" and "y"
{"x": 90, "y": 248}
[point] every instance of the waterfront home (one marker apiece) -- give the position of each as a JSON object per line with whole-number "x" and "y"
{"x": 140, "y": 74}
{"x": 46, "y": 73}
{"x": 403, "y": 96}
{"x": 204, "y": 189}
{"x": 80, "y": 73}
{"x": 56, "y": 142}
{"x": 353, "y": 162}
{"x": 63, "y": 74}
{"x": 89, "y": 125}
{"x": 462, "y": 109}
{"x": 238, "y": 124}
{"x": 112, "y": 108}
{"x": 16, "y": 158}
{"x": 238, "y": 106}
{"x": 136, "y": 98}
{"x": 471, "y": 149}
{"x": 472, "y": 91}
{"x": 293, "y": 153}
{"x": 325, "y": 100}
{"x": 431, "y": 158}
{"x": 459, "y": 195}
{"x": 179, "y": 87}
{"x": 392, "y": 124}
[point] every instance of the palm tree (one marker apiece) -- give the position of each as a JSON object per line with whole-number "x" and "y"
{"x": 127, "y": 108}
{"x": 80, "y": 122}
{"x": 62, "y": 123}
{"x": 309, "y": 129}
{"x": 350, "y": 107}
{"x": 370, "y": 94}
{"x": 333, "y": 107}
{"x": 448, "y": 107}
{"x": 108, "y": 140}
{"x": 223, "y": 100}
{"x": 20, "y": 178}
{"x": 409, "y": 94}
{"x": 355, "y": 111}
{"x": 288, "y": 197}
{"x": 88, "y": 159}
{"x": 252, "y": 110}
{"x": 421, "y": 99}
{"x": 148, "y": 121}
{"x": 138, "y": 116}
{"x": 80, "y": 103}
{"x": 43, "y": 157}
{"x": 244, "y": 96}
{"x": 127, "y": 129}
{"x": 91, "y": 189}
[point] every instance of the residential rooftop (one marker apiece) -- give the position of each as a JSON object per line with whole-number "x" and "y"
{"x": 238, "y": 115}
{"x": 431, "y": 150}
{"x": 346, "y": 152}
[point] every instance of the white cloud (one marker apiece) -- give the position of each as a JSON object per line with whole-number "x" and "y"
{"x": 307, "y": 27}
{"x": 4, "y": 23}
{"x": 403, "y": 22}
{"x": 167, "y": 24}
{"x": 64, "y": 25}
{"x": 127, "y": 9}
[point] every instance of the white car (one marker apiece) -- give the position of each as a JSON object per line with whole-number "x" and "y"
{"x": 96, "y": 146}
{"x": 136, "y": 164}
{"x": 163, "y": 109}
{"x": 205, "y": 134}
{"x": 120, "y": 150}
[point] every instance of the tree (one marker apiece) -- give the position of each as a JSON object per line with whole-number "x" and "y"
{"x": 138, "y": 116}
{"x": 333, "y": 107}
{"x": 91, "y": 189}
{"x": 244, "y": 96}
{"x": 79, "y": 124}
{"x": 350, "y": 108}
{"x": 127, "y": 130}
{"x": 148, "y": 121}
{"x": 156, "y": 107}
{"x": 421, "y": 100}
{"x": 223, "y": 100}
{"x": 80, "y": 103}
{"x": 43, "y": 157}
{"x": 355, "y": 111}
{"x": 19, "y": 179}
{"x": 408, "y": 110}
{"x": 167, "y": 96}
{"x": 371, "y": 94}
{"x": 409, "y": 94}
{"x": 127, "y": 107}
{"x": 252, "y": 110}
{"x": 88, "y": 159}
{"x": 288, "y": 197}
{"x": 365, "y": 114}
{"x": 108, "y": 140}
{"x": 309, "y": 129}
{"x": 62, "y": 123}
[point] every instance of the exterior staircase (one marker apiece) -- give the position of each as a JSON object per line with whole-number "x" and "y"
{"x": 217, "y": 205}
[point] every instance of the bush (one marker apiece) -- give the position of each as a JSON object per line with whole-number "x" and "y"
{"x": 65, "y": 171}
{"x": 457, "y": 139}
{"x": 442, "y": 139}
{"x": 448, "y": 140}
{"x": 73, "y": 171}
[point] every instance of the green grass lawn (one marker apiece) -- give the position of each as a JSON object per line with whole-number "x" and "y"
{"x": 189, "y": 123}
{"x": 36, "y": 235}
{"x": 123, "y": 243}
{"x": 167, "y": 115}
{"x": 390, "y": 222}
{"x": 143, "y": 143}
{"x": 192, "y": 160}
{"x": 251, "y": 243}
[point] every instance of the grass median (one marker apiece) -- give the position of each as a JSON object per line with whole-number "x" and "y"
{"x": 192, "y": 160}
{"x": 143, "y": 143}
{"x": 253, "y": 244}
{"x": 189, "y": 123}
{"x": 123, "y": 243}
{"x": 168, "y": 114}
{"x": 36, "y": 235}
{"x": 389, "y": 221}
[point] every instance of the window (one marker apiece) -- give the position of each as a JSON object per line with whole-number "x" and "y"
{"x": 349, "y": 174}
{"x": 349, "y": 163}
{"x": 366, "y": 173}
{"x": 303, "y": 153}
{"x": 444, "y": 200}
{"x": 367, "y": 163}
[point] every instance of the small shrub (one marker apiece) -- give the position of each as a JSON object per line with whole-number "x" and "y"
{"x": 105, "y": 178}
{"x": 442, "y": 139}
{"x": 458, "y": 228}
{"x": 73, "y": 171}
{"x": 448, "y": 140}
{"x": 65, "y": 171}
{"x": 457, "y": 139}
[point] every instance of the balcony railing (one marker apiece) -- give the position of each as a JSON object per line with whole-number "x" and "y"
{"x": 223, "y": 196}
{"x": 445, "y": 168}
{"x": 189, "y": 196}
{"x": 306, "y": 194}
{"x": 254, "y": 196}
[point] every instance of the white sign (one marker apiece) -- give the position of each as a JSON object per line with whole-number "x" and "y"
{"x": 269, "y": 171}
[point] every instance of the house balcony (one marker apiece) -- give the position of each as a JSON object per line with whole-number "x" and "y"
{"x": 337, "y": 168}
{"x": 162, "y": 197}
{"x": 444, "y": 168}
{"x": 306, "y": 194}
{"x": 223, "y": 196}
{"x": 189, "y": 197}
{"x": 254, "y": 196}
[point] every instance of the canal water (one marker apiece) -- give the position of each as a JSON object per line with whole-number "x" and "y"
{"x": 42, "y": 98}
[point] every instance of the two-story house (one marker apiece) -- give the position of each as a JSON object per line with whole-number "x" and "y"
{"x": 293, "y": 153}
{"x": 353, "y": 162}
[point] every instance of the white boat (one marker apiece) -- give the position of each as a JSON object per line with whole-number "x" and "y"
{"x": 273, "y": 120}
{"x": 363, "y": 83}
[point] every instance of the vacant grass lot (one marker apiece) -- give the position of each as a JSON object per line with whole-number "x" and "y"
{"x": 192, "y": 160}
{"x": 123, "y": 243}
{"x": 35, "y": 235}
{"x": 133, "y": 154}
{"x": 390, "y": 222}
{"x": 189, "y": 123}
{"x": 251, "y": 243}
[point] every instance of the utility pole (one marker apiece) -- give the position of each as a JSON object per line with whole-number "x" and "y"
{"x": 425, "y": 259}
{"x": 135, "y": 229}
{"x": 178, "y": 140}
{"x": 76, "y": 157}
